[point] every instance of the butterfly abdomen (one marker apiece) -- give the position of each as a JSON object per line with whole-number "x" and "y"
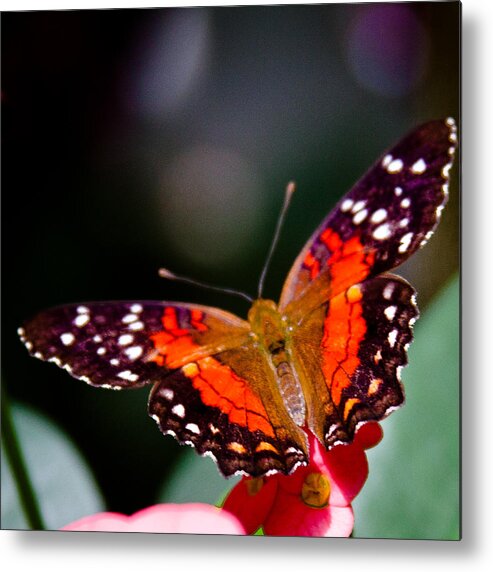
{"x": 271, "y": 333}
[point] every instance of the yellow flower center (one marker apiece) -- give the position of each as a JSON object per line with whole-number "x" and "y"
{"x": 254, "y": 485}
{"x": 315, "y": 491}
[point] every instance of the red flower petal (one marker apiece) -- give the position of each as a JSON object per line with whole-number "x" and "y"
{"x": 251, "y": 509}
{"x": 171, "y": 518}
{"x": 347, "y": 468}
{"x": 368, "y": 435}
{"x": 291, "y": 517}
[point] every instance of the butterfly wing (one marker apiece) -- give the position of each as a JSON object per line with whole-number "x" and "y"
{"x": 351, "y": 350}
{"x": 352, "y": 327}
{"x": 389, "y": 214}
{"x": 211, "y": 385}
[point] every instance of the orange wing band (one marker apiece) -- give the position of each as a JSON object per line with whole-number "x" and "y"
{"x": 344, "y": 329}
{"x": 217, "y": 383}
{"x": 348, "y": 261}
{"x": 220, "y": 387}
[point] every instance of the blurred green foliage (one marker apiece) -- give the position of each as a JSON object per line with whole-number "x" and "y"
{"x": 195, "y": 479}
{"x": 62, "y": 481}
{"x": 413, "y": 489}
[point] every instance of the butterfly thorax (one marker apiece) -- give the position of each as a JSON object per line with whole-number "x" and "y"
{"x": 272, "y": 334}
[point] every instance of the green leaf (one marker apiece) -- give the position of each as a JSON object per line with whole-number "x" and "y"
{"x": 196, "y": 479}
{"x": 63, "y": 484}
{"x": 413, "y": 486}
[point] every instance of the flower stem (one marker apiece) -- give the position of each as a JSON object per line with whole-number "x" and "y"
{"x": 19, "y": 469}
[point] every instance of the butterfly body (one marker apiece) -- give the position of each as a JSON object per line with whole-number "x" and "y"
{"x": 272, "y": 335}
{"x": 325, "y": 359}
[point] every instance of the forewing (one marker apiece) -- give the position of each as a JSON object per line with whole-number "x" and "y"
{"x": 128, "y": 344}
{"x": 353, "y": 349}
{"x": 389, "y": 214}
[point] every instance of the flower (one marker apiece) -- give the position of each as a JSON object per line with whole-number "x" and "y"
{"x": 194, "y": 518}
{"x": 316, "y": 499}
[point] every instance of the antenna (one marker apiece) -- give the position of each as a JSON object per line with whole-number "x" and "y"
{"x": 164, "y": 273}
{"x": 290, "y": 188}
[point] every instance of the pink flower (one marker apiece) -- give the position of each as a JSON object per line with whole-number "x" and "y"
{"x": 172, "y": 518}
{"x": 315, "y": 500}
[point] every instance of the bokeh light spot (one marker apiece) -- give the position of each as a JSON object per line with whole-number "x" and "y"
{"x": 387, "y": 49}
{"x": 211, "y": 200}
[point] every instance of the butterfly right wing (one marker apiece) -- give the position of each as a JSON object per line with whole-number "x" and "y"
{"x": 388, "y": 215}
{"x": 351, "y": 351}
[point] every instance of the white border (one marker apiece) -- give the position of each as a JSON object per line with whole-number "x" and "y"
{"x": 86, "y": 551}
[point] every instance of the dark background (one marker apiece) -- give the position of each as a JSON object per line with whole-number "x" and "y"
{"x": 134, "y": 139}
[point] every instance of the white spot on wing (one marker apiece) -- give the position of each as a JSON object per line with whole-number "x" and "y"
{"x": 405, "y": 203}
{"x": 395, "y": 166}
{"x": 404, "y": 222}
{"x": 179, "y": 410}
{"x": 101, "y": 351}
{"x": 136, "y": 308}
{"x": 378, "y": 216}
{"x": 193, "y": 428}
{"x": 398, "y": 191}
{"x": 128, "y": 375}
{"x": 82, "y": 309}
{"x": 446, "y": 170}
{"x": 125, "y": 339}
{"x": 386, "y": 160}
{"x": 360, "y": 216}
{"x": 167, "y": 393}
{"x": 358, "y": 206}
{"x": 390, "y": 312}
{"x": 419, "y": 167}
{"x": 405, "y": 242}
{"x": 346, "y": 205}
{"x": 82, "y": 320}
{"x": 67, "y": 339}
{"x": 97, "y": 338}
{"x": 114, "y": 361}
{"x": 129, "y": 318}
{"x": 382, "y": 232}
{"x": 392, "y": 337}
{"x": 388, "y": 291}
{"x": 134, "y": 352}
{"x": 136, "y": 326}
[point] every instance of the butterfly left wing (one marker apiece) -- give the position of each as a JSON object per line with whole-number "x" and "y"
{"x": 388, "y": 215}
{"x": 351, "y": 350}
{"x": 117, "y": 344}
{"x": 211, "y": 386}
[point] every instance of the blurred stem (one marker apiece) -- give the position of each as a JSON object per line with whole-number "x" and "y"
{"x": 19, "y": 469}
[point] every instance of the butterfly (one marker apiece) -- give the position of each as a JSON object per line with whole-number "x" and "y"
{"x": 326, "y": 358}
